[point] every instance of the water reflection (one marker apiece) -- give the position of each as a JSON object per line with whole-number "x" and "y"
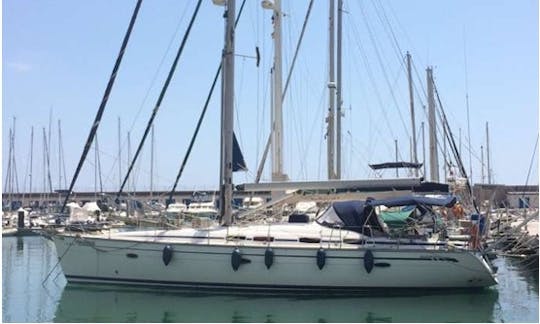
{"x": 96, "y": 303}
{"x": 518, "y": 287}
{"x": 25, "y": 262}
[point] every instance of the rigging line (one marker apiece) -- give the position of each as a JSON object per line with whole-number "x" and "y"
{"x": 531, "y": 164}
{"x": 389, "y": 30}
{"x": 161, "y": 96}
{"x": 152, "y": 82}
{"x": 469, "y": 149}
{"x": 373, "y": 83}
{"x": 291, "y": 69}
{"x": 420, "y": 80}
{"x": 104, "y": 100}
{"x": 385, "y": 74}
{"x": 400, "y": 26}
{"x": 320, "y": 118}
{"x": 156, "y": 74}
{"x": 297, "y": 50}
{"x": 372, "y": 79}
{"x": 201, "y": 117}
{"x": 454, "y": 148}
{"x": 99, "y": 166}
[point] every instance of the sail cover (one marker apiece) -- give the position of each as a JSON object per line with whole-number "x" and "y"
{"x": 238, "y": 158}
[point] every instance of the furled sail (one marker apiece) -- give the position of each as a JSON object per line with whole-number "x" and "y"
{"x": 239, "y": 164}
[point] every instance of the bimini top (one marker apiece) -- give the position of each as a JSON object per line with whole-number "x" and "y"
{"x": 353, "y": 215}
{"x": 360, "y": 216}
{"x": 447, "y": 201}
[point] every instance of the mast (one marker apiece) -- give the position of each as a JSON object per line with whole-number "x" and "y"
{"x": 10, "y": 170}
{"x": 15, "y": 177}
{"x": 7, "y": 186}
{"x": 339, "y": 89}
{"x": 129, "y": 184}
{"x": 227, "y": 111}
{"x": 487, "y": 154}
{"x": 47, "y": 160}
{"x": 31, "y": 156}
{"x": 413, "y": 122}
{"x": 277, "y": 111}
{"x": 268, "y": 5}
{"x": 152, "y": 142}
{"x": 460, "y": 142}
{"x": 95, "y": 167}
{"x": 397, "y": 159}
{"x": 59, "y": 156}
{"x": 482, "y": 163}
{"x": 445, "y": 154}
{"x": 119, "y": 155}
{"x": 99, "y": 166}
{"x": 330, "y": 134}
{"x": 424, "y": 147}
{"x": 469, "y": 137}
{"x": 433, "y": 156}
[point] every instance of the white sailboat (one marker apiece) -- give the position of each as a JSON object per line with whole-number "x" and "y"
{"x": 346, "y": 249}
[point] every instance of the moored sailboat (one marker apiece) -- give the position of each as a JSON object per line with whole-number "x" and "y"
{"x": 347, "y": 248}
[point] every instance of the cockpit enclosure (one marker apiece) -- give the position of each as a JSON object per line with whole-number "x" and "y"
{"x": 361, "y": 216}
{"x": 354, "y": 215}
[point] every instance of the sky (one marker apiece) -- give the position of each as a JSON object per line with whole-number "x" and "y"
{"x": 58, "y": 56}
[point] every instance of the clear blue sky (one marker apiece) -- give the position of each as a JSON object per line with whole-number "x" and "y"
{"x": 58, "y": 55}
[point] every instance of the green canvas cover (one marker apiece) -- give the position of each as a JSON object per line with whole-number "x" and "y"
{"x": 396, "y": 219}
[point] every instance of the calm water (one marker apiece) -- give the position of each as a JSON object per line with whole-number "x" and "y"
{"x": 27, "y": 261}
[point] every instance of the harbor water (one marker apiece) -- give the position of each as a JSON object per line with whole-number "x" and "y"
{"x": 34, "y": 290}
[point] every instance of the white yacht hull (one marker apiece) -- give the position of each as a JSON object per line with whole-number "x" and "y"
{"x": 103, "y": 260}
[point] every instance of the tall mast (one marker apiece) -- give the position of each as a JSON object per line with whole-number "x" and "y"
{"x": 469, "y": 137}
{"x": 31, "y": 157}
{"x": 277, "y": 111}
{"x": 330, "y": 134}
{"x": 7, "y": 185}
{"x": 130, "y": 187}
{"x": 95, "y": 167}
{"x": 482, "y": 163}
{"x": 424, "y": 146}
{"x": 119, "y": 155}
{"x": 487, "y": 154}
{"x": 339, "y": 89}
{"x": 61, "y": 162}
{"x": 47, "y": 160}
{"x": 413, "y": 122}
{"x": 433, "y": 156}
{"x": 59, "y": 156}
{"x": 152, "y": 163}
{"x": 15, "y": 178}
{"x": 227, "y": 111}
{"x": 445, "y": 154}
{"x": 397, "y": 157}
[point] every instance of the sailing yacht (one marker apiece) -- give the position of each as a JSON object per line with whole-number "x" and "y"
{"x": 347, "y": 248}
